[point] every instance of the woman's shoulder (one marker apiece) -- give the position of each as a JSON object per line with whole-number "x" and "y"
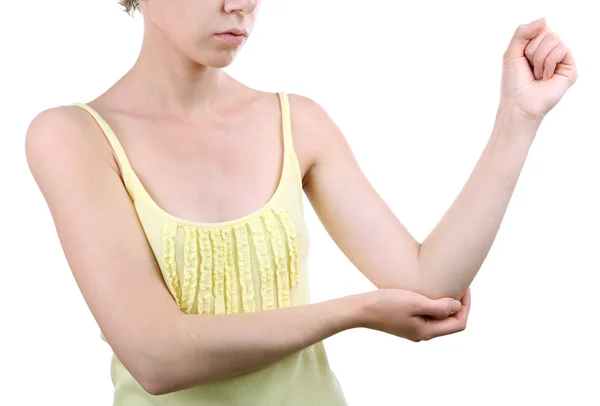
{"x": 311, "y": 124}
{"x": 59, "y": 135}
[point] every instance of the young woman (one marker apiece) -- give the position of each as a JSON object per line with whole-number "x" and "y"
{"x": 177, "y": 198}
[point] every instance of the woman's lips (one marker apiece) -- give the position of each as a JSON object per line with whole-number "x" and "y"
{"x": 233, "y": 37}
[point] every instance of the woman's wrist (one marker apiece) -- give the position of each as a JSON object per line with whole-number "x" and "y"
{"x": 349, "y": 312}
{"x": 511, "y": 121}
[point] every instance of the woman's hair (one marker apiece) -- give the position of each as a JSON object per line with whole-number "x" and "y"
{"x": 129, "y": 5}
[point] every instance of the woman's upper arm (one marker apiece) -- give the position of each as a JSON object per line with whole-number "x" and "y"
{"x": 100, "y": 234}
{"x": 356, "y": 217}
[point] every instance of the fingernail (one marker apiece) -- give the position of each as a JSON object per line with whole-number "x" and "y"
{"x": 535, "y": 23}
{"x": 456, "y": 305}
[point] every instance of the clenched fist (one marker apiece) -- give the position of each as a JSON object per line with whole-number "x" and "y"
{"x": 538, "y": 68}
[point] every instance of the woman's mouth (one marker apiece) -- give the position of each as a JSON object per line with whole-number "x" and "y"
{"x": 234, "y": 37}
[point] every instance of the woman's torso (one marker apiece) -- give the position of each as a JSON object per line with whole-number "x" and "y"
{"x": 225, "y": 250}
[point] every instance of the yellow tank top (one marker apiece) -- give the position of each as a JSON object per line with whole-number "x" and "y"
{"x": 253, "y": 263}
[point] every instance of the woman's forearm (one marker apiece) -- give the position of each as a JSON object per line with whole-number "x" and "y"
{"x": 452, "y": 254}
{"x": 203, "y": 348}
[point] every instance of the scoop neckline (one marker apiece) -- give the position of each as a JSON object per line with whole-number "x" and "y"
{"x": 199, "y": 224}
{"x": 220, "y": 224}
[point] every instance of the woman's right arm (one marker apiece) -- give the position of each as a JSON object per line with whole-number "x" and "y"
{"x": 163, "y": 348}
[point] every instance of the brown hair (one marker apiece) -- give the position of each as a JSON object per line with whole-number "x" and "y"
{"x": 130, "y": 5}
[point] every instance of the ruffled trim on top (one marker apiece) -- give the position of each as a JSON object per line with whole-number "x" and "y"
{"x": 245, "y": 268}
{"x": 205, "y": 297}
{"x": 281, "y": 270}
{"x": 217, "y": 272}
{"x": 190, "y": 271}
{"x": 292, "y": 242}
{"x": 231, "y": 290}
{"x": 264, "y": 265}
{"x": 170, "y": 273}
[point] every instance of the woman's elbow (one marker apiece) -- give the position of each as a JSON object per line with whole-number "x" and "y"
{"x": 152, "y": 388}
{"x": 157, "y": 387}
{"x": 157, "y": 383}
{"x": 148, "y": 365}
{"x": 146, "y": 369}
{"x": 161, "y": 375}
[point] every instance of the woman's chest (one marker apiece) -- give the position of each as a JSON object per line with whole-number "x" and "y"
{"x": 209, "y": 174}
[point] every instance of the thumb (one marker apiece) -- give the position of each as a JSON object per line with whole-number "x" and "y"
{"x": 439, "y": 308}
{"x": 521, "y": 38}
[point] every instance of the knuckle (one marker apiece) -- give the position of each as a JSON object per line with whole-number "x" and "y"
{"x": 574, "y": 77}
{"x": 538, "y": 58}
{"x": 553, "y": 36}
{"x": 416, "y": 307}
{"x": 421, "y": 335}
{"x": 417, "y": 335}
{"x": 529, "y": 52}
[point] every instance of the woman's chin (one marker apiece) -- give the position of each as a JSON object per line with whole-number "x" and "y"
{"x": 219, "y": 59}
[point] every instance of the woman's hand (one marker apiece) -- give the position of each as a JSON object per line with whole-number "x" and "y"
{"x": 413, "y": 316}
{"x": 538, "y": 68}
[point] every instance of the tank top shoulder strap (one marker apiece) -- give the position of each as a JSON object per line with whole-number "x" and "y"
{"x": 126, "y": 169}
{"x": 288, "y": 142}
{"x": 129, "y": 176}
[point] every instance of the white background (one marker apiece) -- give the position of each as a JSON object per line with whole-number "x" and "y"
{"x": 414, "y": 86}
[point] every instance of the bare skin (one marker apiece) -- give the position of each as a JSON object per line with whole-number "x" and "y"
{"x": 191, "y": 133}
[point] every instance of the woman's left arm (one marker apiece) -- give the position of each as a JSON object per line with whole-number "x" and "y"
{"x": 538, "y": 68}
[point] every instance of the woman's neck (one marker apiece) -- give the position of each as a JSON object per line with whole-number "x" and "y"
{"x": 167, "y": 80}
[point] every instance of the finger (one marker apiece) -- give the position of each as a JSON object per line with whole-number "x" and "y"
{"x": 521, "y": 38}
{"x": 466, "y": 299}
{"x": 566, "y": 67}
{"x": 533, "y": 45}
{"x": 437, "y": 328}
{"x": 550, "y": 41}
{"x": 439, "y": 308}
{"x": 557, "y": 55}
{"x": 569, "y": 59}
{"x": 463, "y": 314}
